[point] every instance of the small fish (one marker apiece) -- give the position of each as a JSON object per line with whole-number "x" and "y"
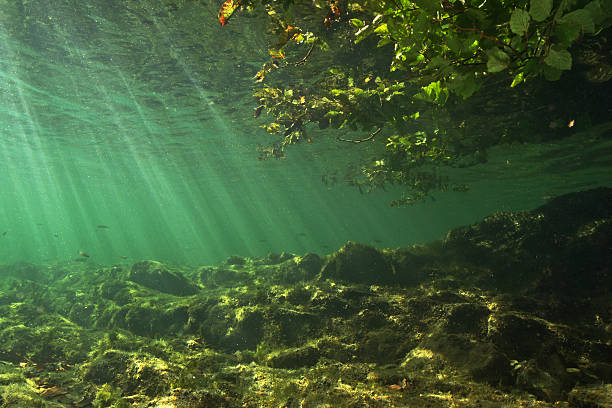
{"x": 79, "y": 260}
{"x": 56, "y": 235}
{"x": 123, "y": 257}
{"x": 378, "y": 241}
{"x": 4, "y": 233}
{"x": 83, "y": 254}
{"x": 102, "y": 227}
{"x": 301, "y": 234}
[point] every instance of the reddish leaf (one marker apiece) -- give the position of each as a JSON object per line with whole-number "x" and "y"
{"x": 334, "y": 9}
{"x": 289, "y": 33}
{"x": 277, "y": 53}
{"x": 227, "y": 9}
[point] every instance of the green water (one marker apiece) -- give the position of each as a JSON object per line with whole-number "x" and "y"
{"x": 141, "y": 122}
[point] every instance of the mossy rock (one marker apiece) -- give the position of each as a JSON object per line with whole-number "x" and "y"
{"x": 155, "y": 275}
{"x": 223, "y": 276}
{"x": 249, "y": 326}
{"x": 147, "y": 375}
{"x": 118, "y": 291}
{"x": 24, "y": 271}
{"x": 298, "y": 269}
{"x": 591, "y": 396}
{"x": 306, "y": 356}
{"x": 17, "y": 341}
{"x": 483, "y": 361}
{"x": 20, "y": 396}
{"x": 292, "y": 325}
{"x": 107, "y": 367}
{"x": 143, "y": 321}
{"x": 187, "y": 398}
{"x": 235, "y": 260}
{"x": 274, "y": 259}
{"x": 359, "y": 263}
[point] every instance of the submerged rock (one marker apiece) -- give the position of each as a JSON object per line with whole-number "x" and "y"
{"x": 223, "y": 276}
{"x": 591, "y": 396}
{"x": 155, "y": 275}
{"x": 564, "y": 246}
{"x": 235, "y": 260}
{"x": 513, "y": 311}
{"x": 297, "y": 269}
{"x": 24, "y": 271}
{"x": 306, "y": 356}
{"x": 359, "y": 263}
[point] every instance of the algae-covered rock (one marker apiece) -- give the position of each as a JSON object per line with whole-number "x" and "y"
{"x": 591, "y": 396}
{"x": 298, "y": 269}
{"x": 481, "y": 360}
{"x": 235, "y": 260}
{"x": 360, "y": 263}
{"x": 246, "y": 331}
{"x": 24, "y": 271}
{"x": 146, "y": 375}
{"x": 198, "y": 398}
{"x": 564, "y": 246}
{"x": 119, "y": 291}
{"x": 131, "y": 372}
{"x": 310, "y": 263}
{"x": 291, "y": 325}
{"x": 106, "y": 368}
{"x": 155, "y": 275}
{"x": 274, "y": 258}
{"x": 534, "y": 379}
{"x": 520, "y": 335}
{"x": 223, "y": 276}
{"x": 468, "y": 318}
{"x": 306, "y": 356}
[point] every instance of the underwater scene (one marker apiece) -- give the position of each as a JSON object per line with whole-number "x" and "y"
{"x": 305, "y": 203}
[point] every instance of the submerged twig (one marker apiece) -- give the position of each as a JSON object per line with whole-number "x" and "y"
{"x": 371, "y": 137}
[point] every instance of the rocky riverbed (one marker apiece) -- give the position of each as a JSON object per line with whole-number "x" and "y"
{"x": 514, "y": 311}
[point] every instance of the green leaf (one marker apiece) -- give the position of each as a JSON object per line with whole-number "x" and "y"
{"x": 397, "y": 30}
{"x": 421, "y": 27}
{"x": 565, "y": 33}
{"x": 498, "y": 61}
{"x": 464, "y": 85}
{"x": 436, "y": 62}
{"x": 598, "y": 11}
{"x": 551, "y": 73}
{"x": 454, "y": 43}
{"x": 430, "y": 6}
{"x": 381, "y": 29}
{"x": 561, "y": 60}
{"x": 434, "y": 92}
{"x": 583, "y": 18}
{"x": 520, "y": 77}
{"x": 357, "y": 22}
{"x": 519, "y": 22}
{"x": 384, "y": 41}
{"x": 540, "y": 9}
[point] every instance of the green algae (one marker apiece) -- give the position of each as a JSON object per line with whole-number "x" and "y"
{"x": 287, "y": 330}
